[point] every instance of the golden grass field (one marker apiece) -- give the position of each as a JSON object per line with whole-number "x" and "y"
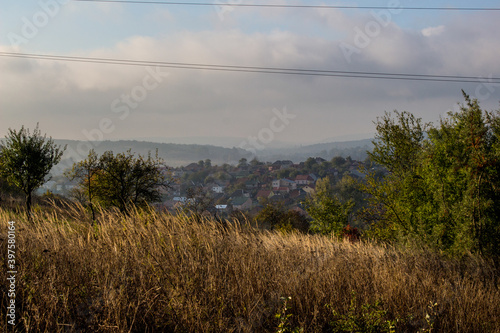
{"x": 154, "y": 272}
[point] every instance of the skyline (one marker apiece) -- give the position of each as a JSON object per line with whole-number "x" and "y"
{"x": 82, "y": 101}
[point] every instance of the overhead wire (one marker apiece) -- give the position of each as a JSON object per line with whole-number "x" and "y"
{"x": 262, "y": 70}
{"x": 232, "y": 4}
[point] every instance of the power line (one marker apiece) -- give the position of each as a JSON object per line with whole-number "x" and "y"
{"x": 264, "y": 70}
{"x": 292, "y": 6}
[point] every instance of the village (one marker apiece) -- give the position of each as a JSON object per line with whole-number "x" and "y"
{"x": 222, "y": 190}
{"x": 245, "y": 187}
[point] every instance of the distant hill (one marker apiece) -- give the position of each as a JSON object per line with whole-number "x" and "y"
{"x": 173, "y": 154}
{"x": 356, "y": 149}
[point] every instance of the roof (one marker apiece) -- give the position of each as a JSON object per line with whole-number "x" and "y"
{"x": 281, "y": 189}
{"x": 263, "y": 194}
{"x": 238, "y": 201}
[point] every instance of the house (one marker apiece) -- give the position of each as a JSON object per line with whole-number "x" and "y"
{"x": 284, "y": 183}
{"x": 240, "y": 193}
{"x": 291, "y": 184}
{"x": 221, "y": 209}
{"x": 242, "y": 203}
{"x": 309, "y": 189}
{"x": 217, "y": 188}
{"x": 252, "y": 184}
{"x": 298, "y": 195}
{"x": 281, "y": 190}
{"x": 304, "y": 180}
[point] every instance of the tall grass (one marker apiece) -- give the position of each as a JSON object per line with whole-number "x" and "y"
{"x": 153, "y": 272}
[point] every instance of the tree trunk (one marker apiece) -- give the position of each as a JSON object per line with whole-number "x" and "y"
{"x": 93, "y": 213}
{"x": 28, "y": 205}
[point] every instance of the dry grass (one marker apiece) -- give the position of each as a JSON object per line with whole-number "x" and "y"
{"x": 152, "y": 272}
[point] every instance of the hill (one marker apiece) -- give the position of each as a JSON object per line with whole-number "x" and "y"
{"x": 356, "y": 149}
{"x": 173, "y": 154}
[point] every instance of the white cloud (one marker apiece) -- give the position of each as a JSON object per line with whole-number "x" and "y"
{"x": 433, "y": 31}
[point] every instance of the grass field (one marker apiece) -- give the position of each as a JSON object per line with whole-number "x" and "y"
{"x": 152, "y": 272}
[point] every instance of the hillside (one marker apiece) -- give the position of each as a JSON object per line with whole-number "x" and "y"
{"x": 356, "y": 149}
{"x": 173, "y": 154}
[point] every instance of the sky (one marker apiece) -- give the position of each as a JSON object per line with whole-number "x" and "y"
{"x": 95, "y": 101}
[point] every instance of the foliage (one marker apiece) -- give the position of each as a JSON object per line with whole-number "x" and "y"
{"x": 442, "y": 188}
{"x": 7, "y": 189}
{"x": 369, "y": 318}
{"x": 26, "y": 160}
{"x": 87, "y": 171}
{"x": 198, "y": 202}
{"x": 284, "y": 318}
{"x": 122, "y": 180}
{"x": 350, "y": 189}
{"x": 329, "y": 215}
{"x": 279, "y": 218}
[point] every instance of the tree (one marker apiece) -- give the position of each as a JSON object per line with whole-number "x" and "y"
{"x": 277, "y": 217}
{"x": 329, "y": 214}
{"x": 198, "y": 202}
{"x": 462, "y": 168}
{"x": 26, "y": 160}
{"x": 122, "y": 180}
{"x": 7, "y": 189}
{"x": 442, "y": 186}
{"x": 87, "y": 171}
{"x": 398, "y": 147}
{"x": 242, "y": 163}
{"x": 349, "y": 189}
{"x": 255, "y": 162}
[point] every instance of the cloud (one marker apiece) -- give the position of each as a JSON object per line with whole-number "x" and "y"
{"x": 68, "y": 98}
{"x": 433, "y": 31}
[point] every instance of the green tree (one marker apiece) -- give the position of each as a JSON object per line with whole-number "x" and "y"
{"x": 87, "y": 172}
{"x": 125, "y": 181}
{"x": 442, "y": 186}
{"x": 462, "y": 173}
{"x": 398, "y": 147}
{"x": 349, "y": 189}
{"x": 255, "y": 162}
{"x": 277, "y": 217}
{"x": 329, "y": 215}
{"x": 26, "y": 160}
{"x": 242, "y": 163}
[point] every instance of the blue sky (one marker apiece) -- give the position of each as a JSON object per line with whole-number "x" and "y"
{"x": 70, "y": 100}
